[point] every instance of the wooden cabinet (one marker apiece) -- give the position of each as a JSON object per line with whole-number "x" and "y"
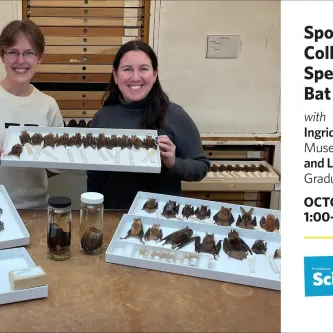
{"x": 82, "y": 38}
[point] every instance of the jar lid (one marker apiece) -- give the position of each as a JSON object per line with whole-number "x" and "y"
{"x": 92, "y": 197}
{"x": 60, "y": 202}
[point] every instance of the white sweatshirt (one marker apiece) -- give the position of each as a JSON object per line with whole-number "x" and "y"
{"x": 27, "y": 187}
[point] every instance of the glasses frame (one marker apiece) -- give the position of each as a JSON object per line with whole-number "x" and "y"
{"x": 17, "y": 55}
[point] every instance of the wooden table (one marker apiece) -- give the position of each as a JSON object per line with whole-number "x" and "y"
{"x": 86, "y": 294}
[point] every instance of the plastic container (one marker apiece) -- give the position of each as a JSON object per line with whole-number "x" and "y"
{"x": 91, "y": 223}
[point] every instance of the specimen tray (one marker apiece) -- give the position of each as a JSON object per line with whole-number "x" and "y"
{"x": 13, "y": 259}
{"x": 257, "y": 270}
{"x": 214, "y": 206}
{"x": 234, "y": 180}
{"x": 14, "y": 233}
{"x": 79, "y": 158}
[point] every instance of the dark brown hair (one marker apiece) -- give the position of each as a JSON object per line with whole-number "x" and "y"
{"x": 30, "y": 29}
{"x": 157, "y": 101}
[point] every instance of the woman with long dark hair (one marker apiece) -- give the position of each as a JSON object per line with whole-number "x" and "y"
{"x": 136, "y": 100}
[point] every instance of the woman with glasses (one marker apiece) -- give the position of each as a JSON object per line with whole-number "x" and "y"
{"x": 21, "y": 49}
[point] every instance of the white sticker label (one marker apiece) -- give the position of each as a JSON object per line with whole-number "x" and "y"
{"x": 132, "y": 22}
{"x": 27, "y": 272}
{"x": 132, "y": 32}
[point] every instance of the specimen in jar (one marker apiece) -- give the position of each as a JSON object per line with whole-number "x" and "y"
{"x": 235, "y": 247}
{"x": 259, "y": 247}
{"x": 154, "y": 233}
{"x": 270, "y": 223}
{"x": 91, "y": 240}
{"x": 136, "y": 230}
{"x": 180, "y": 238}
{"x": 187, "y": 211}
{"x": 170, "y": 209}
{"x": 150, "y": 206}
{"x": 202, "y": 213}
{"x": 246, "y": 221}
{"x": 224, "y": 217}
{"x": 57, "y": 239}
{"x": 16, "y": 150}
{"x": 208, "y": 245}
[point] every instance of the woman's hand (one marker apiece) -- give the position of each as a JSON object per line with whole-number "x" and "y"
{"x": 168, "y": 151}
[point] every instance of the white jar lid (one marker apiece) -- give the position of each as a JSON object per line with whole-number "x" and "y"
{"x": 92, "y": 198}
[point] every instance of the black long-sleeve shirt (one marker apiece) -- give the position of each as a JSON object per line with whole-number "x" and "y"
{"x": 120, "y": 188}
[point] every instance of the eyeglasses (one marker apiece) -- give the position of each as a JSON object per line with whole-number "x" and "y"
{"x": 16, "y": 54}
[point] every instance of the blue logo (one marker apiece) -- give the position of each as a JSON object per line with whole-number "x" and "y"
{"x": 318, "y": 276}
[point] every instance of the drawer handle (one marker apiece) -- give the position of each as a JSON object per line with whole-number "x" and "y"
{"x": 84, "y": 113}
{"x": 86, "y": 2}
{"x": 86, "y": 11}
{"x": 232, "y": 185}
{"x": 83, "y": 77}
{"x": 85, "y": 49}
{"x": 85, "y": 40}
{"x": 84, "y": 103}
{"x": 84, "y": 95}
{"x": 85, "y": 31}
{"x": 210, "y": 154}
{"x": 85, "y": 20}
{"x": 207, "y": 195}
{"x": 84, "y": 58}
{"x": 84, "y": 68}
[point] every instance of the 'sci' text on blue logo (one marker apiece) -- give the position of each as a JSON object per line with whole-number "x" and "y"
{"x": 318, "y": 276}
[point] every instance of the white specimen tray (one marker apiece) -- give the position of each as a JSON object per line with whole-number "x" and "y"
{"x": 12, "y": 259}
{"x": 214, "y": 206}
{"x": 258, "y": 270}
{"x": 116, "y": 159}
{"x": 15, "y": 233}
{"x": 242, "y": 177}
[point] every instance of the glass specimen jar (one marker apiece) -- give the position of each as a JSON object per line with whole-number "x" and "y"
{"x": 91, "y": 223}
{"x": 59, "y": 228}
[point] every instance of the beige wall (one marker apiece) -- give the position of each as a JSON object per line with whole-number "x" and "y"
{"x": 222, "y": 95}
